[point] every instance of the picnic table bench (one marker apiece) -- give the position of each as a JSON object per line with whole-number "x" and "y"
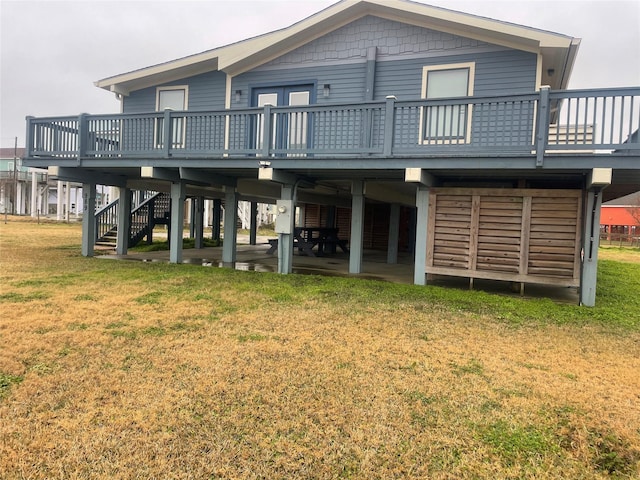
{"x": 305, "y": 239}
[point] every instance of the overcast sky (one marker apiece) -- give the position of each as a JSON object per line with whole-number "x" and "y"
{"x": 52, "y": 51}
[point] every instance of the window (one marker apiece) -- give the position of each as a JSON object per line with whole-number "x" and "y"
{"x": 171, "y": 98}
{"x": 450, "y": 122}
{"x": 298, "y": 121}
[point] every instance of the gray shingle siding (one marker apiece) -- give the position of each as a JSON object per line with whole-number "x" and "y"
{"x": 391, "y": 38}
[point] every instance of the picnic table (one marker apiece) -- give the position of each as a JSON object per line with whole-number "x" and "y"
{"x": 305, "y": 239}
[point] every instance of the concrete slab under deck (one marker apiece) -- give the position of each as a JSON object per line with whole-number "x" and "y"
{"x": 374, "y": 267}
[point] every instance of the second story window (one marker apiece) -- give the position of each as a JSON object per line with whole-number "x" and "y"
{"x": 447, "y": 122}
{"x": 171, "y": 98}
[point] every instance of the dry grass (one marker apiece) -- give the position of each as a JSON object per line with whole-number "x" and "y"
{"x": 620, "y": 254}
{"x": 121, "y": 370}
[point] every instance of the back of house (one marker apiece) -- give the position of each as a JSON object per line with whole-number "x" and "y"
{"x": 407, "y": 127}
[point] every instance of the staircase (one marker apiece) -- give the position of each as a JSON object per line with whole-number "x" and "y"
{"x": 155, "y": 210}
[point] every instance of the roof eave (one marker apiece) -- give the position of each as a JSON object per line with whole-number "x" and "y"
{"x": 242, "y": 56}
{"x": 159, "y": 74}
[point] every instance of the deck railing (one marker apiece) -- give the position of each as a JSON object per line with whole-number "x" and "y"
{"x": 596, "y": 121}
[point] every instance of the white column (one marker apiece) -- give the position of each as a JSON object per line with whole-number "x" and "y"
{"x": 59, "y": 200}
{"x": 67, "y": 201}
{"x": 34, "y": 193}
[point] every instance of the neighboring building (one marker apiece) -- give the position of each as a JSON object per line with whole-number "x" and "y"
{"x": 30, "y": 191}
{"x": 406, "y": 126}
{"x": 620, "y": 219}
{"x": 23, "y": 190}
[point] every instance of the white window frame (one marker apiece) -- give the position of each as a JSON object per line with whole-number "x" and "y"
{"x": 471, "y": 67}
{"x": 173, "y": 87}
{"x": 177, "y": 142}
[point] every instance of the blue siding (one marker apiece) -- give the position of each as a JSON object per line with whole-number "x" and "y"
{"x": 206, "y": 92}
{"x": 339, "y": 59}
{"x": 502, "y": 72}
{"x": 347, "y": 81}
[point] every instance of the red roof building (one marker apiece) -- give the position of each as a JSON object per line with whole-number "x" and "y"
{"x": 621, "y": 218}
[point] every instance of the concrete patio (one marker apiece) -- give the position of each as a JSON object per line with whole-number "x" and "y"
{"x": 374, "y": 267}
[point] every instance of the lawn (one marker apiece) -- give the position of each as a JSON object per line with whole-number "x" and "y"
{"x": 112, "y": 369}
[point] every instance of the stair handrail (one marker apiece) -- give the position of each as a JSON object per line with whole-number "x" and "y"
{"x": 106, "y": 219}
{"x": 144, "y": 217}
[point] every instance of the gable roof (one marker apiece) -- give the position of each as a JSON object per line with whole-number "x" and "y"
{"x": 558, "y": 51}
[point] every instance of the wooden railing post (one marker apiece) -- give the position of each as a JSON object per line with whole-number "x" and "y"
{"x": 542, "y": 136}
{"x": 166, "y": 133}
{"x": 28, "y": 139}
{"x": 389, "y": 125}
{"x": 266, "y": 131}
{"x": 83, "y": 136}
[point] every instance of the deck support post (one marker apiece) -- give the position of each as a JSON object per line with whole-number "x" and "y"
{"x": 88, "y": 218}
{"x": 253, "y": 223}
{"x": 124, "y": 220}
{"x": 330, "y": 223}
{"x": 230, "y": 225}
{"x": 422, "y": 221}
{"x": 217, "y": 218}
{"x": 191, "y": 219}
{"x": 178, "y": 195}
{"x": 197, "y": 220}
{"x": 394, "y": 234}
{"x": 357, "y": 226}
{"x": 285, "y": 227}
{"x": 590, "y": 245}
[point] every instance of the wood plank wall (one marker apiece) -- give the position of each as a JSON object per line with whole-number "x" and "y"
{"x": 521, "y": 235}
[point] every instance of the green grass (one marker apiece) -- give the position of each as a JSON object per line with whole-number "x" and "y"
{"x": 15, "y": 297}
{"x": 617, "y": 301}
{"x": 164, "y": 245}
{"x": 6, "y": 381}
{"x": 516, "y": 444}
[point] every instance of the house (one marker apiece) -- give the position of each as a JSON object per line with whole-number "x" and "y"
{"x": 408, "y": 127}
{"x": 30, "y": 191}
{"x": 620, "y": 219}
{"x": 22, "y": 190}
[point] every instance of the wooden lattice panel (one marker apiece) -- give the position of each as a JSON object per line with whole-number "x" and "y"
{"x": 523, "y": 235}
{"x": 499, "y": 232}
{"x": 452, "y": 231}
{"x": 554, "y": 242}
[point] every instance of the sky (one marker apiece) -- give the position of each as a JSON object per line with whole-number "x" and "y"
{"x": 52, "y": 51}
